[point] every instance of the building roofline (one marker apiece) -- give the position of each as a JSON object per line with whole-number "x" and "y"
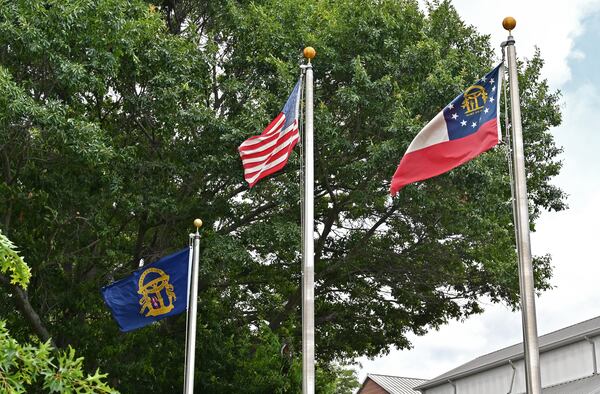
{"x": 369, "y": 376}
{"x": 442, "y": 379}
{"x": 395, "y": 376}
{"x": 365, "y": 382}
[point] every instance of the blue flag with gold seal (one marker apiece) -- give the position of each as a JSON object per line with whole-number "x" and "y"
{"x": 151, "y": 293}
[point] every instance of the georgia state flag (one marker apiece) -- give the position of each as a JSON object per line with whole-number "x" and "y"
{"x": 465, "y": 128}
{"x": 151, "y": 293}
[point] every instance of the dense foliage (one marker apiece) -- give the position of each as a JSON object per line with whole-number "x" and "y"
{"x": 119, "y": 122}
{"x": 13, "y": 264}
{"x": 37, "y": 367}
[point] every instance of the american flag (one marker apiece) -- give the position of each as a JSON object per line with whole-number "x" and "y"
{"x": 269, "y": 152}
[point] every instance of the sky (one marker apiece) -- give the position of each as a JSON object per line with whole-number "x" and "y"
{"x": 567, "y": 34}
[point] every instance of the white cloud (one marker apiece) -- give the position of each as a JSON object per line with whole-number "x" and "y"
{"x": 451, "y": 346}
{"x": 552, "y": 26}
{"x": 572, "y": 236}
{"x": 577, "y": 55}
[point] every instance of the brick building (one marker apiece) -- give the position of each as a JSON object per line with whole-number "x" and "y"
{"x": 386, "y": 384}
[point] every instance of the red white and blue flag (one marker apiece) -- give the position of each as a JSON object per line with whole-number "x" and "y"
{"x": 268, "y": 152}
{"x": 465, "y": 128}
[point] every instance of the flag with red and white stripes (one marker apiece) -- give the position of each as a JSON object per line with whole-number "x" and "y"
{"x": 264, "y": 154}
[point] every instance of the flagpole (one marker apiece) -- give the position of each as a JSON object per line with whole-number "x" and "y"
{"x": 521, "y": 207}
{"x": 190, "y": 351}
{"x": 308, "y": 269}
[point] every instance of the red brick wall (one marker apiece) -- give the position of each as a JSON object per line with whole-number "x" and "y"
{"x": 370, "y": 387}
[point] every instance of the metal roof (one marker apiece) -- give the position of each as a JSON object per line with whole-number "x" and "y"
{"x": 553, "y": 340}
{"x": 396, "y": 384}
{"x": 588, "y": 385}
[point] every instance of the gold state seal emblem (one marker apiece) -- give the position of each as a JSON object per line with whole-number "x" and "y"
{"x": 157, "y": 294}
{"x": 475, "y": 98}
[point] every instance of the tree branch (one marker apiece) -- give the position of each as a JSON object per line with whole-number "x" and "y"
{"x": 292, "y": 303}
{"x": 331, "y": 217}
{"x": 139, "y": 243}
{"x": 295, "y": 298}
{"x": 328, "y": 224}
{"x": 6, "y": 166}
{"x": 248, "y": 218}
{"x": 24, "y": 306}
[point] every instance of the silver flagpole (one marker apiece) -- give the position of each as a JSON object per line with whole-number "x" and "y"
{"x": 526, "y": 279}
{"x": 308, "y": 264}
{"x": 190, "y": 351}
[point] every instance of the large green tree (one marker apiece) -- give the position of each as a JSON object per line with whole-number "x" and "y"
{"x": 119, "y": 122}
{"x": 37, "y": 367}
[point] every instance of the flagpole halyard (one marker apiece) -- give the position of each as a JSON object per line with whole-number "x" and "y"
{"x": 521, "y": 214}
{"x": 308, "y": 312}
{"x": 190, "y": 351}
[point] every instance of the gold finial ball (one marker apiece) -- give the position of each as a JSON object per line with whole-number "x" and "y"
{"x": 310, "y": 53}
{"x": 509, "y": 23}
{"x": 198, "y": 223}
